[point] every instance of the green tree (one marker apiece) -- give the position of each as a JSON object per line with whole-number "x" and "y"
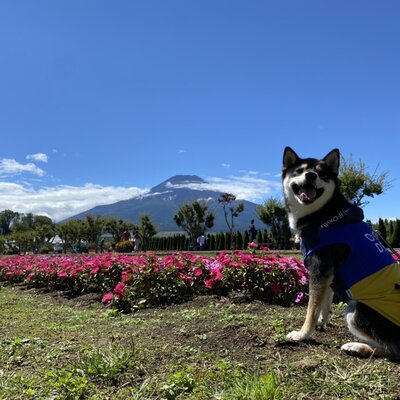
{"x": 246, "y": 239}
{"x": 239, "y": 241}
{"x": 24, "y": 240}
{"x": 116, "y": 227}
{"x": 394, "y": 239}
{"x": 357, "y": 184}
{"x": 228, "y": 241}
{"x": 72, "y": 232}
{"x": 382, "y": 229}
{"x": 222, "y": 244}
{"x": 28, "y": 222}
{"x": 274, "y": 215}
{"x": 24, "y": 223}
{"x": 94, "y": 229}
{"x": 211, "y": 245}
{"x": 230, "y": 213}
{"x": 146, "y": 231}
{"x": 194, "y": 218}
{"x": 6, "y": 218}
{"x": 2, "y": 245}
{"x": 42, "y": 234}
{"x": 259, "y": 238}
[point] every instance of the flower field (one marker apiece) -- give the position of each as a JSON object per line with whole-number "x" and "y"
{"x": 128, "y": 282}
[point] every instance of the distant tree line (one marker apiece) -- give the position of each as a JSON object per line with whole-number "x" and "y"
{"x": 35, "y": 233}
{"x": 389, "y": 231}
{"x": 216, "y": 241}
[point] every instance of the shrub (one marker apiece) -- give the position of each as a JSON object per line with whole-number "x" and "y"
{"x": 128, "y": 282}
{"x": 46, "y": 249}
{"x": 124, "y": 247}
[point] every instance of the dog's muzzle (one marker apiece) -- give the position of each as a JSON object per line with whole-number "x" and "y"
{"x": 307, "y": 193}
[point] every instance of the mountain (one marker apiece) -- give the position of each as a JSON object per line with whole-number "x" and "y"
{"x": 162, "y": 202}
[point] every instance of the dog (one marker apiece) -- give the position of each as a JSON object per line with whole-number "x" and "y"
{"x": 343, "y": 256}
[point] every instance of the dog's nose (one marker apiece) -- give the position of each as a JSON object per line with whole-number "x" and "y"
{"x": 311, "y": 176}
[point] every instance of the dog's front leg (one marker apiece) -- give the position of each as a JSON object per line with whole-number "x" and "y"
{"x": 326, "y": 312}
{"x": 320, "y": 297}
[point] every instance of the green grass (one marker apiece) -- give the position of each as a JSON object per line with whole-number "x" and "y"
{"x": 210, "y": 348}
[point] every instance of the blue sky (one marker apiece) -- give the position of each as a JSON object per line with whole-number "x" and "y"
{"x": 101, "y": 100}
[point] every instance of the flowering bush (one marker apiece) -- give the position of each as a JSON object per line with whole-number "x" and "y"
{"x": 128, "y": 282}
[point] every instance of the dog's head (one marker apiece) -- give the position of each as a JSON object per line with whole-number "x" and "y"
{"x": 308, "y": 183}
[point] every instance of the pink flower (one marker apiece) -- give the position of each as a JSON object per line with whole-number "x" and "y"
{"x": 209, "y": 283}
{"x": 119, "y": 289}
{"x": 197, "y": 272}
{"x": 252, "y": 245}
{"x": 107, "y": 298}
{"x": 95, "y": 270}
{"x": 216, "y": 274}
{"x": 299, "y": 297}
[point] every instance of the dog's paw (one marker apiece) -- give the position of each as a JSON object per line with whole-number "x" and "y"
{"x": 296, "y": 336}
{"x": 357, "y": 349}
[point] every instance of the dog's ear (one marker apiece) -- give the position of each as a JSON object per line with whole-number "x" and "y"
{"x": 289, "y": 157}
{"x": 332, "y": 160}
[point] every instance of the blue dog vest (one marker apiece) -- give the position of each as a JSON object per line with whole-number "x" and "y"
{"x": 369, "y": 273}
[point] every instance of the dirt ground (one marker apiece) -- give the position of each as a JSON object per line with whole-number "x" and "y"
{"x": 250, "y": 328}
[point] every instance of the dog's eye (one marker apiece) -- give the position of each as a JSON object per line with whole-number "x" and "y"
{"x": 299, "y": 170}
{"x": 321, "y": 172}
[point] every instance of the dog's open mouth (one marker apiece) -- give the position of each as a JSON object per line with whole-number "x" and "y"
{"x": 307, "y": 193}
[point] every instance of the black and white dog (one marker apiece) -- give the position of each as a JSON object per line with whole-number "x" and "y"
{"x": 343, "y": 256}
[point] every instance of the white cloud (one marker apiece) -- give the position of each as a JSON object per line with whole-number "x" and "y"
{"x": 227, "y": 166}
{"x": 61, "y": 202}
{"x": 41, "y": 157}
{"x": 10, "y": 167}
{"x": 246, "y": 187}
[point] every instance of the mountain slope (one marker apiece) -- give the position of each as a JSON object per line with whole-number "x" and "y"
{"x": 163, "y": 201}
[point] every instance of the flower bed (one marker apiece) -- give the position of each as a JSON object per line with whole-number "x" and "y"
{"x": 128, "y": 282}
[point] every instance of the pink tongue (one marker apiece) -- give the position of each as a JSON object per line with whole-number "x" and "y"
{"x": 307, "y": 194}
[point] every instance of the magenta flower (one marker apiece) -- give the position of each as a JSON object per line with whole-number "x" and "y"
{"x": 107, "y": 298}
{"x": 226, "y": 273}
{"x": 119, "y": 289}
{"x": 265, "y": 248}
{"x": 197, "y": 272}
{"x": 209, "y": 283}
{"x": 299, "y": 297}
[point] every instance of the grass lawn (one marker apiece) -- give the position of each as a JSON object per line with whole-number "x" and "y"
{"x": 55, "y": 347}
